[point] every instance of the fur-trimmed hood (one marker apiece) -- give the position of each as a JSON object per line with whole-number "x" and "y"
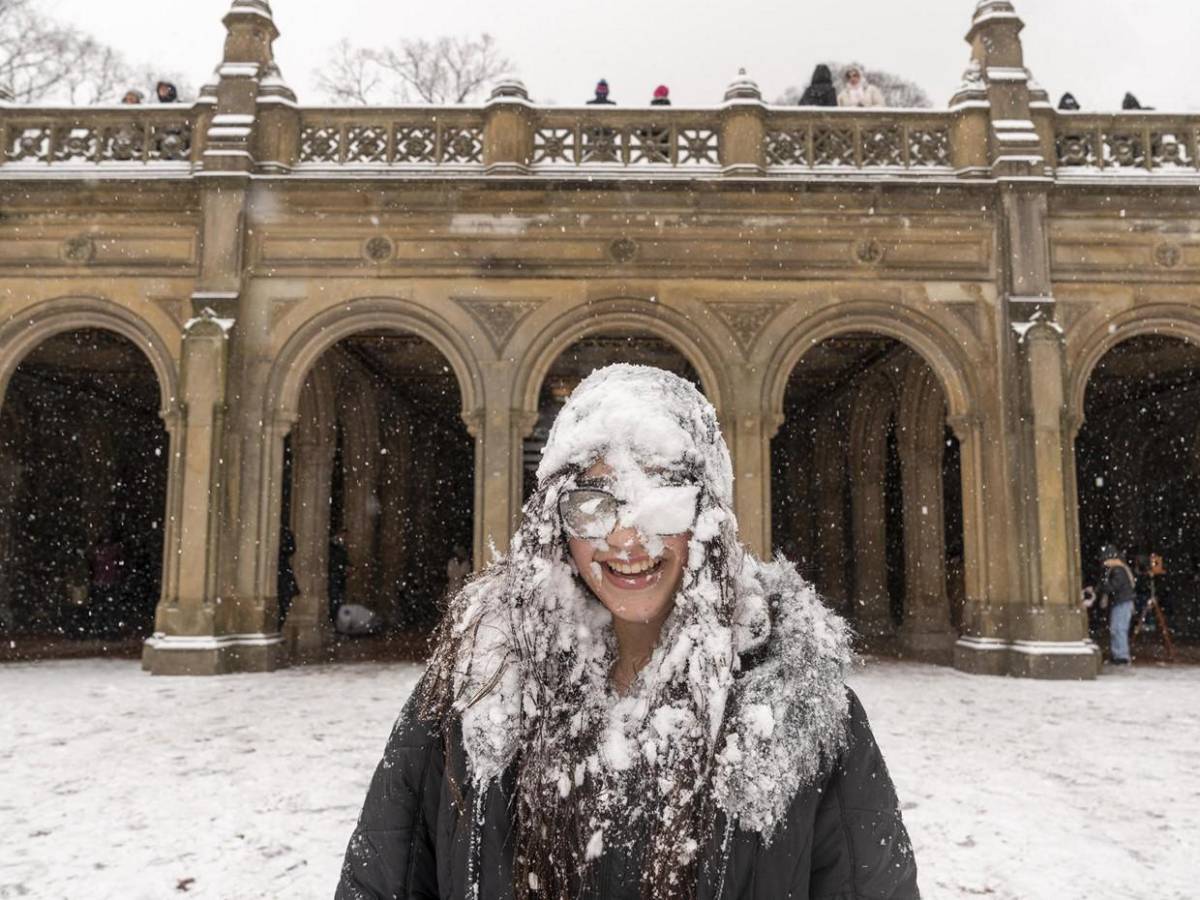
{"x": 786, "y": 713}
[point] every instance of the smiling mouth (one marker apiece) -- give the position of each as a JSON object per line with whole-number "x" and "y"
{"x": 632, "y": 575}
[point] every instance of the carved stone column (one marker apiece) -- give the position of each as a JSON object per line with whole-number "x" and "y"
{"x": 358, "y": 411}
{"x": 829, "y": 493}
{"x": 308, "y": 627}
{"x": 873, "y": 408}
{"x": 1050, "y": 632}
{"x": 396, "y": 483}
{"x": 926, "y": 632}
{"x": 187, "y": 638}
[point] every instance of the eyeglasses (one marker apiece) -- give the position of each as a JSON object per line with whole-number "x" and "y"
{"x": 594, "y": 513}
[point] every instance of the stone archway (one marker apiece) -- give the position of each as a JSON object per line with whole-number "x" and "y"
{"x": 1136, "y": 464}
{"x": 859, "y": 469}
{"x": 86, "y": 464}
{"x": 381, "y": 479}
{"x": 621, "y": 316}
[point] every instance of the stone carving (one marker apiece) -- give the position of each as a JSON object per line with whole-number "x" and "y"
{"x": 1168, "y": 255}
{"x": 746, "y": 320}
{"x": 872, "y": 145}
{"x": 498, "y": 318}
{"x": 869, "y": 252}
{"x": 623, "y": 250}
{"x": 80, "y": 249}
{"x": 379, "y": 249}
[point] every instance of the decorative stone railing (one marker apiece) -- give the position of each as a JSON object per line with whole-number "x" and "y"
{"x": 636, "y": 138}
{"x": 120, "y": 136}
{"x": 401, "y": 136}
{"x": 1122, "y": 143}
{"x": 514, "y": 136}
{"x": 858, "y": 139}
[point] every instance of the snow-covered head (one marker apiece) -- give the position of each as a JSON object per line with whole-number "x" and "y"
{"x": 640, "y": 419}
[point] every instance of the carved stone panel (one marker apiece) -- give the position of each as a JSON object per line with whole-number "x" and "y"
{"x": 498, "y": 318}
{"x": 746, "y": 320}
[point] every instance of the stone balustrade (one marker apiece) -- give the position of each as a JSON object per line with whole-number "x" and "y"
{"x": 1122, "y": 143}
{"x": 510, "y": 135}
{"x": 106, "y": 136}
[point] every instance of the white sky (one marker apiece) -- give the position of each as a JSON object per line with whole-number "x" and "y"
{"x": 1094, "y": 48}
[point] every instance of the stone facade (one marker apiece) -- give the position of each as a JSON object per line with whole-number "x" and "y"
{"x": 235, "y": 241}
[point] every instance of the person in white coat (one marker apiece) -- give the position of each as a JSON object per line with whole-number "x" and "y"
{"x": 858, "y": 91}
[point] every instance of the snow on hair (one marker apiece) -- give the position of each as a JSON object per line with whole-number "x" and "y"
{"x": 524, "y": 653}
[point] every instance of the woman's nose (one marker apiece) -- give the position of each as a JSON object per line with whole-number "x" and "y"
{"x": 625, "y": 538}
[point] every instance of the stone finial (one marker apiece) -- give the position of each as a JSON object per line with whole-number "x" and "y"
{"x": 743, "y": 88}
{"x": 250, "y": 31}
{"x": 509, "y": 89}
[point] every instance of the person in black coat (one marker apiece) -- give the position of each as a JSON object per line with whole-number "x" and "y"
{"x": 601, "y": 97}
{"x": 820, "y": 92}
{"x": 166, "y": 92}
{"x": 1068, "y": 102}
{"x": 629, "y": 704}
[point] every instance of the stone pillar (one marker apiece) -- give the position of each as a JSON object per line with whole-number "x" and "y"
{"x": 186, "y": 638}
{"x": 396, "y": 482}
{"x": 359, "y": 414}
{"x": 751, "y": 452}
{"x": 308, "y": 627}
{"x": 743, "y": 129}
{"x": 508, "y": 130}
{"x": 499, "y": 428}
{"x": 1049, "y": 632}
{"x": 926, "y": 632}
{"x": 829, "y": 476}
{"x": 872, "y": 410}
{"x": 1034, "y": 633}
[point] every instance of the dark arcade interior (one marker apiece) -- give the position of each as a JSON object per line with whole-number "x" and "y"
{"x": 1138, "y": 468}
{"x": 81, "y": 528}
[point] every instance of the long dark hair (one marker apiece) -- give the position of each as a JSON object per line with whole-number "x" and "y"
{"x": 560, "y": 717}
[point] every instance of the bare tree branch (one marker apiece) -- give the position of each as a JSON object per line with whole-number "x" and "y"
{"x": 444, "y": 71}
{"x": 42, "y": 60}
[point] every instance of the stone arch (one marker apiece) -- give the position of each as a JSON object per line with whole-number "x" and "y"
{"x": 1168, "y": 320}
{"x": 625, "y": 314}
{"x": 308, "y": 342}
{"x": 921, "y": 334}
{"x": 31, "y": 327}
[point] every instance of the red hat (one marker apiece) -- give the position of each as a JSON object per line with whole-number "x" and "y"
{"x": 661, "y": 91}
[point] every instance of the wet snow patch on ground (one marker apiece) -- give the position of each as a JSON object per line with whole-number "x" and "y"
{"x": 116, "y": 784}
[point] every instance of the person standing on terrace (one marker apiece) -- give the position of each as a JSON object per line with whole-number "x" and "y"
{"x": 858, "y": 91}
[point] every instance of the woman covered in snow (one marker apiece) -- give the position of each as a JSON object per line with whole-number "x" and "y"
{"x": 629, "y": 704}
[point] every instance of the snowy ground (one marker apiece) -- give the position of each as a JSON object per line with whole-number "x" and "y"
{"x": 116, "y": 784}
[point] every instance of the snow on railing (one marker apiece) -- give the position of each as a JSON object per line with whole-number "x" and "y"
{"x": 518, "y": 136}
{"x": 402, "y": 136}
{"x": 1122, "y": 143}
{"x": 638, "y": 138}
{"x": 857, "y": 139}
{"x": 96, "y": 135}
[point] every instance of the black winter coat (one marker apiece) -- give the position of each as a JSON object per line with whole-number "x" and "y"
{"x": 821, "y": 91}
{"x": 841, "y": 840}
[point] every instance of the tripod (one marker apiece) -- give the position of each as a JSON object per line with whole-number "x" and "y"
{"x": 1159, "y": 618}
